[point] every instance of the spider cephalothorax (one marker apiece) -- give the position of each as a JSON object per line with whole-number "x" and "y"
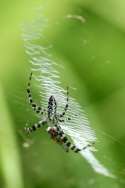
{"x": 51, "y": 118}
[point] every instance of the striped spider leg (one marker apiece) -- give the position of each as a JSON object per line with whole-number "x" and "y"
{"x": 38, "y": 109}
{"x": 58, "y": 135}
{"x": 67, "y": 105}
{"x": 35, "y": 126}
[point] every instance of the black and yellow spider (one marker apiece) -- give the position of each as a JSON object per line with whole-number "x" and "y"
{"x": 51, "y": 118}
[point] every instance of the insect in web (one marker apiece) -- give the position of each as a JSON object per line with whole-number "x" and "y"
{"x": 52, "y": 119}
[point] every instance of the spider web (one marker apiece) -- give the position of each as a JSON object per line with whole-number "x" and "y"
{"x": 43, "y": 63}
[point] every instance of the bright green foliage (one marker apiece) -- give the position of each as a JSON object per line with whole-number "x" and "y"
{"x": 88, "y": 38}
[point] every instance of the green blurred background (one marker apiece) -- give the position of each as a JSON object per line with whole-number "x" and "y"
{"x": 92, "y": 52}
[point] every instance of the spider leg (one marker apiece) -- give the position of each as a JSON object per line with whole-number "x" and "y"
{"x": 35, "y": 126}
{"x": 67, "y": 144}
{"x": 61, "y": 120}
{"x": 59, "y": 130}
{"x": 78, "y": 150}
{"x": 57, "y": 134}
{"x": 66, "y": 148}
{"x": 35, "y": 107}
{"x": 66, "y": 106}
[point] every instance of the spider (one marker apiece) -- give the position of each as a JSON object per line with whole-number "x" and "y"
{"x": 50, "y": 118}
